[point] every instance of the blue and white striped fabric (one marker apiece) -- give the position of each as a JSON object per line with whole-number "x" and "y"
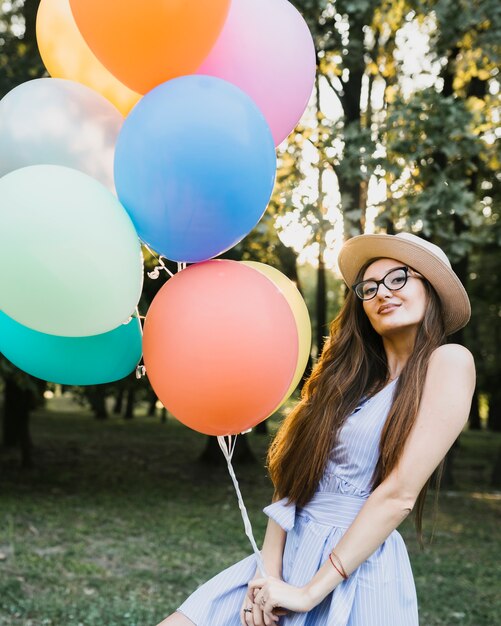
{"x": 380, "y": 592}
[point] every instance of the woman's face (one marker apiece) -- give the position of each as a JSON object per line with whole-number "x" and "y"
{"x": 391, "y": 312}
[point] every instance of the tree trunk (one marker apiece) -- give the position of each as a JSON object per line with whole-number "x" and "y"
{"x": 321, "y": 296}
{"x": 129, "y": 408}
{"x": 321, "y": 301}
{"x": 262, "y": 428}
{"x": 213, "y": 456}
{"x": 474, "y": 421}
{"x": 350, "y": 184}
{"x": 30, "y": 18}
{"x": 496, "y": 472}
{"x": 119, "y": 402}
{"x": 288, "y": 262}
{"x": 494, "y": 419}
{"x": 152, "y": 405}
{"x": 96, "y": 398}
{"x": 18, "y": 403}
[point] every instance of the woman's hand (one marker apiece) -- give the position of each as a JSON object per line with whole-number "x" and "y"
{"x": 252, "y": 615}
{"x": 271, "y": 593}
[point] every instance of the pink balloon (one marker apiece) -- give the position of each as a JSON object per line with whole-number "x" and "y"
{"x": 266, "y": 49}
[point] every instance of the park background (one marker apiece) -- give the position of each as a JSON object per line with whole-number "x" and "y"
{"x": 111, "y": 512}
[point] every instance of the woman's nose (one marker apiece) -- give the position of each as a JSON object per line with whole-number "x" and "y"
{"x": 383, "y": 291}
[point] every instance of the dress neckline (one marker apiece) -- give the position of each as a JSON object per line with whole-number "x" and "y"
{"x": 365, "y": 400}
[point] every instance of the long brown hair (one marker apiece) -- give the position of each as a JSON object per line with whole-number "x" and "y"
{"x": 352, "y": 365}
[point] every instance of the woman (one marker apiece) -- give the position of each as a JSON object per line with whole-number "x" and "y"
{"x": 382, "y": 407}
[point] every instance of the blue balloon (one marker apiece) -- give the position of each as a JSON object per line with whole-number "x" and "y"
{"x": 72, "y": 360}
{"x": 195, "y": 166}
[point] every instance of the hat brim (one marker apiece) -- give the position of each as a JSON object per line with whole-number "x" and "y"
{"x": 455, "y": 302}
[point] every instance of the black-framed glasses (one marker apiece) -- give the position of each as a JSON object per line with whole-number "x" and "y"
{"x": 394, "y": 280}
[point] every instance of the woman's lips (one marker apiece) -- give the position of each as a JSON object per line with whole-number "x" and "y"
{"x": 387, "y": 308}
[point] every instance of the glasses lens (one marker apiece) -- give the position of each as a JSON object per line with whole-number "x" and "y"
{"x": 396, "y": 279}
{"x": 366, "y": 290}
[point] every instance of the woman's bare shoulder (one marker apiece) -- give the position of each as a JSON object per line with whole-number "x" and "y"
{"x": 453, "y": 360}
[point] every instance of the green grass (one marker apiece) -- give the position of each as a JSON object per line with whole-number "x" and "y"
{"x": 118, "y": 522}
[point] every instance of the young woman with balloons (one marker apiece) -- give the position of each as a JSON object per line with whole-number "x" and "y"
{"x": 208, "y": 94}
{"x": 383, "y": 405}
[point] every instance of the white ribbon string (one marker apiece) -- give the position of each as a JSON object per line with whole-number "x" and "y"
{"x": 155, "y": 273}
{"x": 140, "y": 369}
{"x": 140, "y": 323}
{"x": 227, "y": 445}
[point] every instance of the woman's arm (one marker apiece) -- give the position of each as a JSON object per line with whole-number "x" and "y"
{"x": 273, "y": 549}
{"x": 271, "y": 553}
{"x": 443, "y": 412}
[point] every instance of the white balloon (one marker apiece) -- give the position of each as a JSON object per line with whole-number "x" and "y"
{"x": 53, "y": 121}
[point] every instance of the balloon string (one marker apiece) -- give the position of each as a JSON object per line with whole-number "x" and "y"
{"x": 139, "y": 318}
{"x": 161, "y": 265}
{"x": 227, "y": 445}
{"x": 140, "y": 369}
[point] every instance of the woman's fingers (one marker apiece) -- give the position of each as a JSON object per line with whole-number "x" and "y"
{"x": 264, "y": 602}
{"x": 259, "y": 618}
{"x": 267, "y": 620}
{"x": 247, "y": 613}
{"x": 270, "y": 619}
{"x": 257, "y": 583}
{"x": 263, "y": 613}
{"x": 250, "y": 595}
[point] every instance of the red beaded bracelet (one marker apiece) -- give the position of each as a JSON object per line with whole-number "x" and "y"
{"x": 340, "y": 571}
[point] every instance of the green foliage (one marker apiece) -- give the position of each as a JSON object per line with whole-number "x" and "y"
{"x": 19, "y": 57}
{"x": 484, "y": 331}
{"x": 433, "y": 168}
{"x": 468, "y": 36}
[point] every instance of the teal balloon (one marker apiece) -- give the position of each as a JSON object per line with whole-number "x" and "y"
{"x": 72, "y": 360}
{"x": 70, "y": 257}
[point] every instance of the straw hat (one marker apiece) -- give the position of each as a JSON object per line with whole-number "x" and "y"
{"x": 423, "y": 256}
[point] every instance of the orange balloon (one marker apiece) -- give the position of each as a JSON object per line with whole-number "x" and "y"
{"x": 145, "y": 44}
{"x": 66, "y": 55}
{"x": 220, "y": 346}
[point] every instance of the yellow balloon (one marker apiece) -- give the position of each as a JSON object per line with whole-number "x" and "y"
{"x": 66, "y": 55}
{"x": 301, "y": 315}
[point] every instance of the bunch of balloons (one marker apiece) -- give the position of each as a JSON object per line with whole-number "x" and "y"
{"x": 158, "y": 125}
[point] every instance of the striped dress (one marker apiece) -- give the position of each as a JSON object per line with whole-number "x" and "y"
{"x": 380, "y": 592}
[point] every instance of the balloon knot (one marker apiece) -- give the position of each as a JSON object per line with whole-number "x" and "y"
{"x": 154, "y": 274}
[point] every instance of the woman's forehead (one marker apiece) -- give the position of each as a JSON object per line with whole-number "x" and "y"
{"x": 378, "y": 268}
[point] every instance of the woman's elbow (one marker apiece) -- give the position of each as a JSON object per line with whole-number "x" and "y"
{"x": 400, "y": 498}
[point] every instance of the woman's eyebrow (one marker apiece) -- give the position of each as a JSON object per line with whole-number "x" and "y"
{"x": 387, "y": 272}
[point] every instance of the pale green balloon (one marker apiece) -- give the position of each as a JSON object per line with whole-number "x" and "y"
{"x": 70, "y": 258}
